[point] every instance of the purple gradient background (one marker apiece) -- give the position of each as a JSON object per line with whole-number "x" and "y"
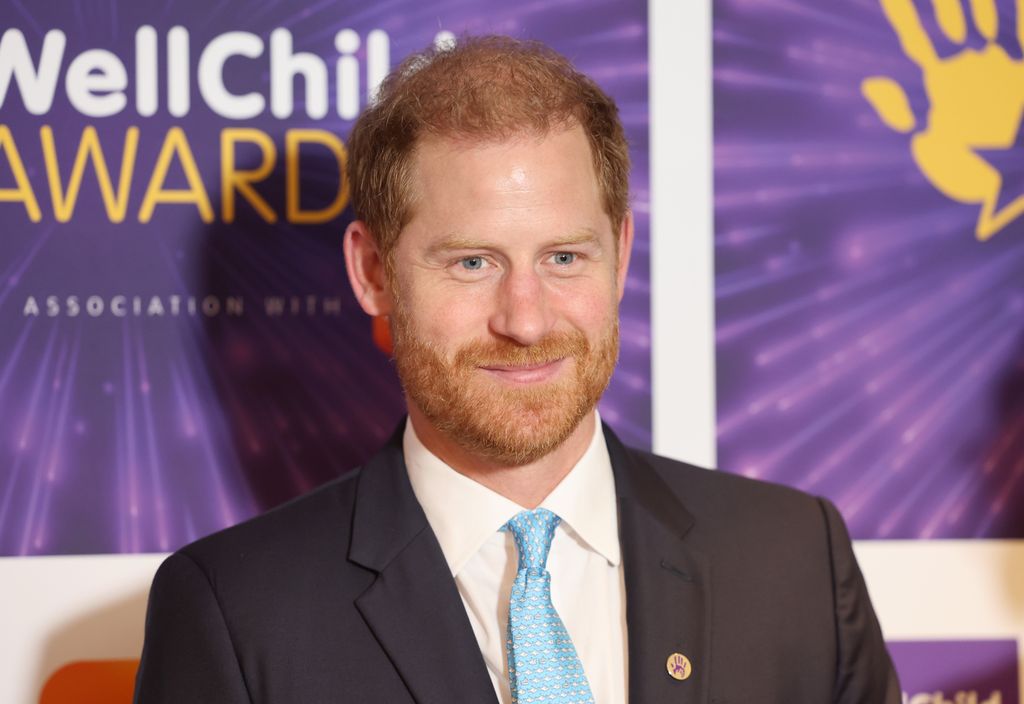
{"x": 138, "y": 434}
{"x": 869, "y": 348}
{"x": 949, "y": 667}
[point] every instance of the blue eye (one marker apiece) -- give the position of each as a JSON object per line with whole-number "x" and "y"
{"x": 472, "y": 263}
{"x": 565, "y": 258}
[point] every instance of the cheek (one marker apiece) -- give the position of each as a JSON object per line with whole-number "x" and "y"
{"x": 587, "y": 305}
{"x": 450, "y": 314}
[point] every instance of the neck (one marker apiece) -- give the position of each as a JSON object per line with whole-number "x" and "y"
{"x": 526, "y": 485}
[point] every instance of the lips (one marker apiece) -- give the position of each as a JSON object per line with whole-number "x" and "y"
{"x": 525, "y": 373}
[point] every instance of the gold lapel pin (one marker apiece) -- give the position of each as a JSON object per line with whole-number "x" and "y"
{"x": 678, "y": 666}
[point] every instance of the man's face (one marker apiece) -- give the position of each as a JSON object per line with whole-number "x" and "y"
{"x": 506, "y": 284}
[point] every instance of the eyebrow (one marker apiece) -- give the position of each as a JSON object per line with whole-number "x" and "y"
{"x": 458, "y": 242}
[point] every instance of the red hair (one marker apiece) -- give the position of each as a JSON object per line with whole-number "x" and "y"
{"x": 484, "y": 88}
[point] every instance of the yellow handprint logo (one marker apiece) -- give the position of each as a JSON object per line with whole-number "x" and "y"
{"x": 976, "y": 99}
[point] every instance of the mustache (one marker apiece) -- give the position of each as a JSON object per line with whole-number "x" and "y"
{"x": 506, "y": 353}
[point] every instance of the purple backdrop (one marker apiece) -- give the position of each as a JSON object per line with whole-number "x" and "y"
{"x": 958, "y": 672}
{"x": 142, "y": 432}
{"x": 869, "y": 347}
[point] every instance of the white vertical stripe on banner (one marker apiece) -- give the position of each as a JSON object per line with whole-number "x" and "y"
{"x": 682, "y": 301}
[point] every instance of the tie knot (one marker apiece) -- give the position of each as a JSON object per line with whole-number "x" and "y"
{"x": 533, "y": 531}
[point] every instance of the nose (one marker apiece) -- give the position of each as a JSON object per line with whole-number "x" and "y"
{"x": 522, "y": 312}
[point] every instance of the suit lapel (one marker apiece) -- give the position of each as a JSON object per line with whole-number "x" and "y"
{"x": 668, "y": 605}
{"x": 413, "y": 607}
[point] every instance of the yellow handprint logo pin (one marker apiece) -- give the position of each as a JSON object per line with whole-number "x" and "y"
{"x": 976, "y": 104}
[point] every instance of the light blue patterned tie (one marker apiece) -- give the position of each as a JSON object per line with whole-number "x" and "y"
{"x": 542, "y": 663}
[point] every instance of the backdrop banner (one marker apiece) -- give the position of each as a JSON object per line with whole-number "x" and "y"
{"x": 869, "y": 258}
{"x": 958, "y": 672}
{"x": 180, "y": 348}
{"x": 869, "y": 295}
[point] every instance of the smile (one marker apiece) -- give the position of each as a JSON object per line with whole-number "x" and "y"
{"x": 527, "y": 373}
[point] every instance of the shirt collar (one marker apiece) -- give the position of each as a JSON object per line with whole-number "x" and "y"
{"x": 464, "y": 514}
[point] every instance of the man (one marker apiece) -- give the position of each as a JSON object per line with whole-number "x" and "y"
{"x": 505, "y": 547}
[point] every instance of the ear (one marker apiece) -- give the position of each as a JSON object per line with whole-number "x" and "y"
{"x": 625, "y": 251}
{"x": 366, "y": 272}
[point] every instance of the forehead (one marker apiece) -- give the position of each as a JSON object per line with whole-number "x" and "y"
{"x": 552, "y": 174}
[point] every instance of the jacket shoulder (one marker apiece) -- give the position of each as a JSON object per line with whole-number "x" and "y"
{"x": 300, "y": 529}
{"x": 744, "y": 521}
{"x": 707, "y": 491}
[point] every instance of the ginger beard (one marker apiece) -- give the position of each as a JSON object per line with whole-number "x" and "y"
{"x": 511, "y": 425}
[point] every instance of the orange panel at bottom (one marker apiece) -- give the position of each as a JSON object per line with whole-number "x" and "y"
{"x": 91, "y": 682}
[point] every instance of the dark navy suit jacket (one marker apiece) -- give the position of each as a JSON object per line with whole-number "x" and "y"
{"x": 343, "y": 595}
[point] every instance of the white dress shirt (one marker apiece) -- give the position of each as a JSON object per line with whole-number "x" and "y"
{"x": 587, "y": 584}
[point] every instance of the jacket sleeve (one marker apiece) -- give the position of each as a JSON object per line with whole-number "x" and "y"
{"x": 864, "y": 672}
{"x": 188, "y": 656}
